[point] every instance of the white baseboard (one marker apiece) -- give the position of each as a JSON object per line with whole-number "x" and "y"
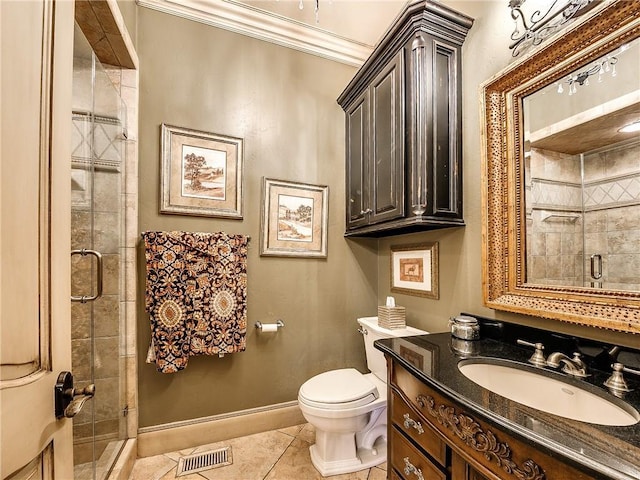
{"x": 175, "y": 436}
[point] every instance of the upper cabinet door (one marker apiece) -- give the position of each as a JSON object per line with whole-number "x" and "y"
{"x": 357, "y": 168}
{"x": 375, "y": 150}
{"x": 35, "y": 345}
{"x": 387, "y": 143}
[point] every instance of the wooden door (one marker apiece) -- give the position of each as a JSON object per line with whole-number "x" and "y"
{"x": 35, "y": 346}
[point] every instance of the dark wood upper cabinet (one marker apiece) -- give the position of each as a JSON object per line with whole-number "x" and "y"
{"x": 403, "y": 127}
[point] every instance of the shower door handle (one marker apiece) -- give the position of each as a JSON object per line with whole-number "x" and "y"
{"x": 596, "y": 266}
{"x": 84, "y": 298}
{"x": 69, "y": 400}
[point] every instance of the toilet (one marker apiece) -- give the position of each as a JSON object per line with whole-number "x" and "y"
{"x": 349, "y": 409}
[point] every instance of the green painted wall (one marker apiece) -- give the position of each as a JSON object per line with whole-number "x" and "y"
{"x": 282, "y": 103}
{"x": 129, "y": 11}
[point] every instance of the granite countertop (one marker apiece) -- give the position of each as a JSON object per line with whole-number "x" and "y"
{"x": 603, "y": 451}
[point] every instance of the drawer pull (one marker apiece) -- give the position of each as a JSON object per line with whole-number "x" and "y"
{"x": 411, "y": 423}
{"x": 409, "y": 468}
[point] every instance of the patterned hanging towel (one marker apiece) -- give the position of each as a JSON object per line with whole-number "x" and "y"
{"x": 196, "y": 295}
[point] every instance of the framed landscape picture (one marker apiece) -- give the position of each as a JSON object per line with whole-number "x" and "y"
{"x": 201, "y": 173}
{"x": 294, "y": 219}
{"x": 414, "y": 269}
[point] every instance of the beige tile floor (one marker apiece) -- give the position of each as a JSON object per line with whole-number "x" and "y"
{"x": 274, "y": 455}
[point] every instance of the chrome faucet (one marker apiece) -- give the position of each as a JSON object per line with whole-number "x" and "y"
{"x": 573, "y": 366}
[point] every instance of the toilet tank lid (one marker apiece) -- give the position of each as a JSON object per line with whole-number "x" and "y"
{"x": 338, "y": 386}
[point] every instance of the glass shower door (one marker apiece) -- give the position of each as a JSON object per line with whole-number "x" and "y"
{"x": 98, "y": 133}
{"x": 611, "y": 199}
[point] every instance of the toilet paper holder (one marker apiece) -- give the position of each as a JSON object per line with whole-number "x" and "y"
{"x": 269, "y": 327}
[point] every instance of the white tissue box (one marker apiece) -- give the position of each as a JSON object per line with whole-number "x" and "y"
{"x": 392, "y": 317}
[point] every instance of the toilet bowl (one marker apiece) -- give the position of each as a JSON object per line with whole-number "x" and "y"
{"x": 349, "y": 409}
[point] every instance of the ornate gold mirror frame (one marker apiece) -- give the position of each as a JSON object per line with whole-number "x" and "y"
{"x": 614, "y": 23}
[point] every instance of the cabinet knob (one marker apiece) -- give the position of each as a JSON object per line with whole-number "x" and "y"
{"x": 409, "y": 468}
{"x": 411, "y": 423}
{"x": 366, "y": 212}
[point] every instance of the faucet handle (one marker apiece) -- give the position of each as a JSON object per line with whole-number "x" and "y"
{"x": 577, "y": 358}
{"x": 537, "y": 359}
{"x": 616, "y": 383}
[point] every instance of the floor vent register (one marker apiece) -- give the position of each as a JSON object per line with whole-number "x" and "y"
{"x": 204, "y": 461}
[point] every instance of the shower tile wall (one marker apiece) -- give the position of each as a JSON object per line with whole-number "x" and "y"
{"x": 554, "y": 220}
{"x": 115, "y": 212}
{"x": 612, "y": 214}
{"x": 611, "y": 217}
{"x": 105, "y": 220}
{"x": 126, "y": 81}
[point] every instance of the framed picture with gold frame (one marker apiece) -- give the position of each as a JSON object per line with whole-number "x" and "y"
{"x": 294, "y": 219}
{"x": 414, "y": 269}
{"x": 201, "y": 173}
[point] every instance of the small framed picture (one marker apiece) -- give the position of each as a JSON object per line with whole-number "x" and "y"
{"x": 201, "y": 173}
{"x": 294, "y": 219}
{"x": 414, "y": 269}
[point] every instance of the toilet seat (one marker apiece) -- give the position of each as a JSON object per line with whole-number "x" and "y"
{"x": 342, "y": 389}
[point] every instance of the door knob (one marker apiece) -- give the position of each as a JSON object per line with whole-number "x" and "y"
{"x": 69, "y": 400}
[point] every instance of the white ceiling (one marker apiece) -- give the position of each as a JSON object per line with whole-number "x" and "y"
{"x": 346, "y": 31}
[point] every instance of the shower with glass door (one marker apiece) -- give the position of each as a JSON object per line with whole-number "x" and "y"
{"x": 99, "y": 133}
{"x": 583, "y": 217}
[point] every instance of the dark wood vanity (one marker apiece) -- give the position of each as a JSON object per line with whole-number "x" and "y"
{"x": 403, "y": 126}
{"x": 443, "y": 426}
{"x": 454, "y": 444}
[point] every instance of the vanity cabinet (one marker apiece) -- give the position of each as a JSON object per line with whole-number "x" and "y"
{"x": 432, "y": 436}
{"x": 403, "y": 127}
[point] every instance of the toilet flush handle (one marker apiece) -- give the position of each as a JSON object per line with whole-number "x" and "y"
{"x": 363, "y": 331}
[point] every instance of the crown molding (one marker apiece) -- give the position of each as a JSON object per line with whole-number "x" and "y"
{"x": 256, "y": 23}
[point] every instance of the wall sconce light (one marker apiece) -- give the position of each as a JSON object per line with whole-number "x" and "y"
{"x": 540, "y": 26}
{"x": 582, "y": 78}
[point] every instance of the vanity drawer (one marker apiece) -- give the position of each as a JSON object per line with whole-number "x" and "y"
{"x": 407, "y": 459}
{"x": 407, "y": 420}
{"x": 393, "y": 475}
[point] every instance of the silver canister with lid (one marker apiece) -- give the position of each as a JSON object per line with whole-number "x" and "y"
{"x": 465, "y": 327}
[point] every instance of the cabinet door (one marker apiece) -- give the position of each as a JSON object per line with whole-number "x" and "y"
{"x": 387, "y": 143}
{"x": 357, "y": 155}
{"x": 434, "y": 127}
{"x": 447, "y": 125}
{"x": 461, "y": 470}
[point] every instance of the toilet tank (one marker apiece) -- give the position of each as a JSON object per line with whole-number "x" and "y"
{"x": 371, "y": 332}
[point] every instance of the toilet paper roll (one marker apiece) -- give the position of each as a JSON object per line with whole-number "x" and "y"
{"x": 269, "y": 327}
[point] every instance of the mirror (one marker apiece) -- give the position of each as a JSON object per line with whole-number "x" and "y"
{"x": 582, "y": 176}
{"x": 561, "y": 230}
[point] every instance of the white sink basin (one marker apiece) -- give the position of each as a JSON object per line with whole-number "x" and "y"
{"x": 550, "y": 395}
